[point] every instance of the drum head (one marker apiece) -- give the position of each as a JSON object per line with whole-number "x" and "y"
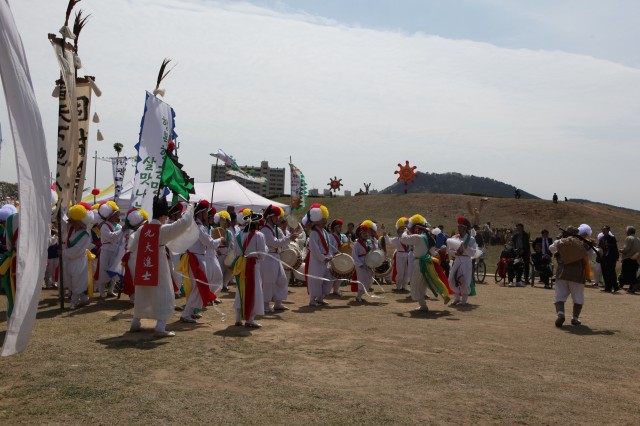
{"x": 374, "y": 258}
{"x": 343, "y": 263}
{"x": 289, "y": 257}
{"x": 218, "y": 233}
{"x": 384, "y": 269}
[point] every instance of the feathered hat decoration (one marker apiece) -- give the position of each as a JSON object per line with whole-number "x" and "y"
{"x": 402, "y": 222}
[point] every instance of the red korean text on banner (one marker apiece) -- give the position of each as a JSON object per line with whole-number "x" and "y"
{"x": 147, "y": 257}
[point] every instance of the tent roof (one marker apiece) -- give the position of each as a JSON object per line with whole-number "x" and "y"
{"x": 231, "y": 193}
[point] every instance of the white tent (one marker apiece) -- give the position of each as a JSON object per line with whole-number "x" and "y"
{"x": 226, "y": 193}
{"x": 231, "y": 193}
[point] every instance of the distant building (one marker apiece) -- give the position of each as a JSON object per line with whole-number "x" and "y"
{"x": 347, "y": 193}
{"x": 313, "y": 192}
{"x": 326, "y": 192}
{"x": 275, "y": 178}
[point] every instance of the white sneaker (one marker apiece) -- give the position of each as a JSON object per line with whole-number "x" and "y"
{"x": 164, "y": 333}
{"x": 520, "y": 284}
{"x": 510, "y": 284}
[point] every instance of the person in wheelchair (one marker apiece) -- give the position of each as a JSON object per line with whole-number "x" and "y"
{"x": 515, "y": 265}
{"x": 542, "y": 265}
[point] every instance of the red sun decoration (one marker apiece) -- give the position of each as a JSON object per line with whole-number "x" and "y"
{"x": 334, "y": 184}
{"x": 406, "y": 174}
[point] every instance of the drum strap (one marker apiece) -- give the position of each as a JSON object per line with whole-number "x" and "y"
{"x": 364, "y": 246}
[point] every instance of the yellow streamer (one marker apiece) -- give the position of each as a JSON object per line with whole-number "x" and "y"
{"x": 90, "y": 258}
{"x": 183, "y": 268}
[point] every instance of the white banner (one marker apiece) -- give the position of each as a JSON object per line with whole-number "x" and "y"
{"x": 33, "y": 176}
{"x": 157, "y": 129}
{"x": 67, "y": 153}
{"x": 119, "y": 165}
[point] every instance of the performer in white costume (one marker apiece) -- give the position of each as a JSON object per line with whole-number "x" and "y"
{"x": 319, "y": 255}
{"x": 274, "y": 281}
{"x": 461, "y": 272}
{"x": 110, "y": 238}
{"x": 157, "y": 301}
{"x": 75, "y": 246}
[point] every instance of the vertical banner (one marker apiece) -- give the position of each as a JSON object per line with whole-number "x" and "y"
{"x": 298, "y": 188}
{"x": 83, "y": 99}
{"x": 156, "y": 130}
{"x": 33, "y": 176}
{"x": 119, "y": 165}
{"x": 67, "y": 152}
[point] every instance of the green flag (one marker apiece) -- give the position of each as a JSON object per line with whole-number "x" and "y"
{"x": 174, "y": 178}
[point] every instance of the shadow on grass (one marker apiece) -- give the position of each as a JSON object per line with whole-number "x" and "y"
{"x": 306, "y": 309}
{"x": 144, "y": 340}
{"x": 234, "y": 331}
{"x": 464, "y": 308}
{"x": 417, "y": 314}
{"x": 585, "y": 330}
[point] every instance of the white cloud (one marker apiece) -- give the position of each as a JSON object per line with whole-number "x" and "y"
{"x": 346, "y": 102}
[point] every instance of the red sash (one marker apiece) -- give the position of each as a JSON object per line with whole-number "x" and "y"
{"x": 354, "y": 276}
{"x": 127, "y": 281}
{"x": 201, "y": 280}
{"x": 394, "y": 274}
{"x": 147, "y": 258}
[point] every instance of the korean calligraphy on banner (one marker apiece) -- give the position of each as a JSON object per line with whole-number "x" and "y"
{"x": 157, "y": 129}
{"x": 147, "y": 259}
{"x": 119, "y": 165}
{"x": 72, "y": 152}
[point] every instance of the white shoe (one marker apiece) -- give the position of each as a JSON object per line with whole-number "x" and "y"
{"x": 164, "y": 333}
{"x": 520, "y": 284}
{"x": 510, "y": 284}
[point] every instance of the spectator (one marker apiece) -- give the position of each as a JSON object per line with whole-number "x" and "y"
{"x": 542, "y": 264}
{"x": 520, "y": 241}
{"x": 609, "y": 258}
{"x": 517, "y": 194}
{"x": 555, "y": 198}
{"x": 514, "y": 265}
{"x": 630, "y": 252}
{"x": 350, "y": 234}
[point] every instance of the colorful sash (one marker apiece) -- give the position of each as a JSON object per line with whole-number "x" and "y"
{"x": 431, "y": 276}
{"x": 244, "y": 271}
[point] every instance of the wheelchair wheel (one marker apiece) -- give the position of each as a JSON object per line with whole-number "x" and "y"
{"x": 481, "y": 271}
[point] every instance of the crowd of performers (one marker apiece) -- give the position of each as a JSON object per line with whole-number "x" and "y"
{"x": 193, "y": 250}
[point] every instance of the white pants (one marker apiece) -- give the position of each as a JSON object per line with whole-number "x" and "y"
{"x": 566, "y": 288}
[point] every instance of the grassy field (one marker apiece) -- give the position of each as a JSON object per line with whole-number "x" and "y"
{"x": 499, "y": 361}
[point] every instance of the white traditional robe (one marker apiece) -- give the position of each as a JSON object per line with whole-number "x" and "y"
{"x": 319, "y": 254}
{"x": 418, "y": 284}
{"x": 363, "y": 272}
{"x": 158, "y": 302}
{"x": 76, "y": 265}
{"x": 274, "y": 281}
{"x": 462, "y": 270}
{"x": 256, "y": 248}
{"x": 403, "y": 261}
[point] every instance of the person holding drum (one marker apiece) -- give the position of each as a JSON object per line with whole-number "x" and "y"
{"x": 223, "y": 222}
{"x": 274, "y": 280}
{"x": 402, "y": 258}
{"x": 319, "y": 253}
{"x": 461, "y": 273}
{"x": 364, "y": 274}
{"x": 337, "y": 240}
{"x": 250, "y": 251}
{"x": 214, "y": 268}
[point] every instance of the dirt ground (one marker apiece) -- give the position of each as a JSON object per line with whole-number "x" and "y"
{"x": 499, "y": 361}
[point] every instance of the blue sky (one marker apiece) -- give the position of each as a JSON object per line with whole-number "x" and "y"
{"x": 544, "y": 95}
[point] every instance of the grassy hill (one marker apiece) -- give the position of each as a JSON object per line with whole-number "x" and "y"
{"x": 456, "y": 183}
{"x": 501, "y": 212}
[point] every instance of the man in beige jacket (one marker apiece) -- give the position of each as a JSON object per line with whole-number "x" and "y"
{"x": 629, "y": 254}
